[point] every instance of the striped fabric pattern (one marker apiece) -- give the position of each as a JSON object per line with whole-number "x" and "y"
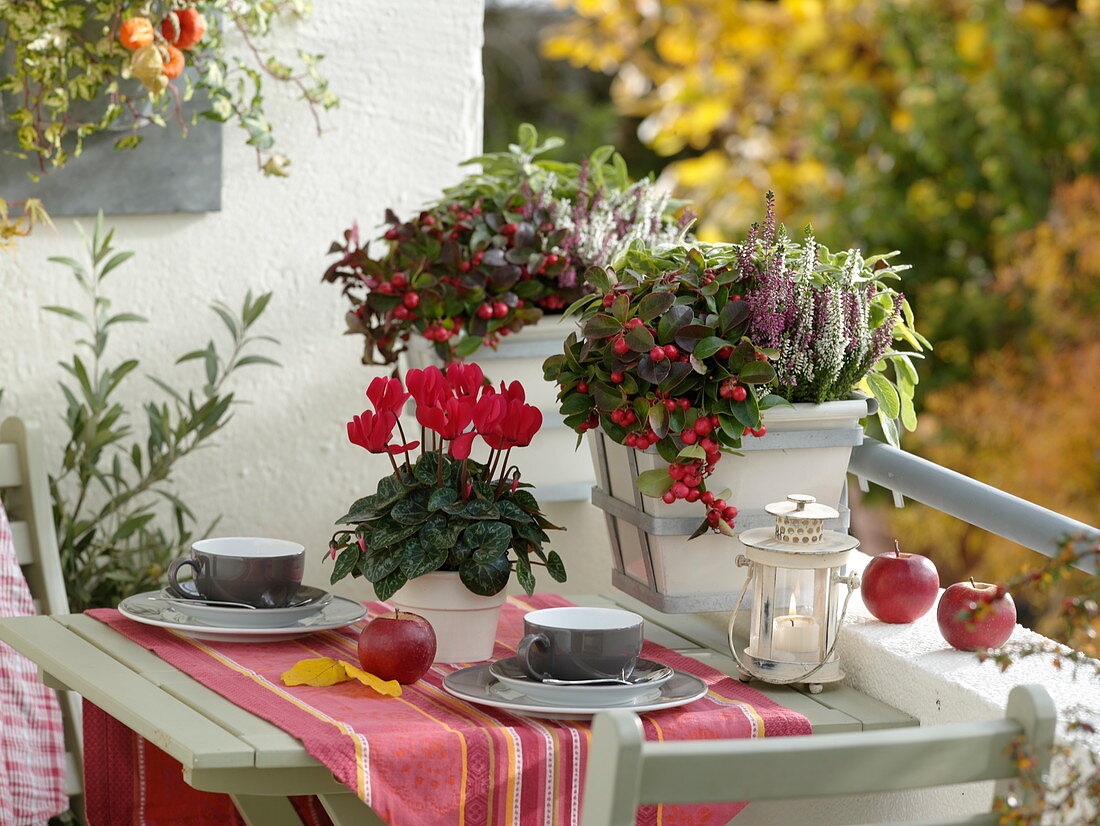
{"x": 32, "y": 739}
{"x": 430, "y": 758}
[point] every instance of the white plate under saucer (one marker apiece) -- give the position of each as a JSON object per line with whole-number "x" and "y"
{"x": 509, "y": 672}
{"x": 477, "y": 685}
{"x": 313, "y": 600}
{"x": 152, "y": 609}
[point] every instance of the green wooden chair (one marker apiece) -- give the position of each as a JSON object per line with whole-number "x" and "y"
{"x": 625, "y": 771}
{"x": 26, "y": 490}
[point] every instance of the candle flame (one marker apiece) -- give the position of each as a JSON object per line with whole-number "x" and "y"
{"x": 793, "y": 609}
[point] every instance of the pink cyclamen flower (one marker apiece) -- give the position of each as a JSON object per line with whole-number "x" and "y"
{"x": 373, "y": 432}
{"x": 513, "y": 392}
{"x": 465, "y": 379}
{"x": 387, "y": 394}
{"x": 517, "y": 428}
{"x": 449, "y": 419}
{"x": 489, "y": 411}
{"x": 428, "y": 386}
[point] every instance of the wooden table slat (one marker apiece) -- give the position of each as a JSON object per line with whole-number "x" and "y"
{"x": 126, "y": 695}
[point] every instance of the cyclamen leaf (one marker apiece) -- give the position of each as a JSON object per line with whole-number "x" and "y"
{"x": 485, "y": 578}
{"x": 390, "y": 585}
{"x": 345, "y": 563}
{"x": 491, "y": 536}
{"x": 441, "y": 498}
{"x": 376, "y": 565}
{"x": 555, "y": 567}
{"x": 409, "y": 512}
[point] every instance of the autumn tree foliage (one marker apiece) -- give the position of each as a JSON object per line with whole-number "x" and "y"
{"x": 938, "y": 127}
{"x": 1026, "y": 420}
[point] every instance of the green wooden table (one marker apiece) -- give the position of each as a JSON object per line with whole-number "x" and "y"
{"x": 223, "y": 748}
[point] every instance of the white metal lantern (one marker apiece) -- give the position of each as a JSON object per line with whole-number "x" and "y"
{"x": 796, "y": 572}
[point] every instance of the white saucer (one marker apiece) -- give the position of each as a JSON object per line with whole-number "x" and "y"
{"x": 151, "y": 608}
{"x": 509, "y": 673}
{"x": 246, "y": 617}
{"x": 477, "y": 685}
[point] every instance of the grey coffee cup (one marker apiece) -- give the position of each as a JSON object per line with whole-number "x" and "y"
{"x": 580, "y": 643}
{"x": 264, "y": 573}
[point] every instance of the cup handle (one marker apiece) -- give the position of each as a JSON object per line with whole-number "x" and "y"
{"x": 538, "y": 640}
{"x": 173, "y": 584}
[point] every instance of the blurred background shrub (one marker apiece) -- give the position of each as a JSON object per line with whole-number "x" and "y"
{"x": 962, "y": 132}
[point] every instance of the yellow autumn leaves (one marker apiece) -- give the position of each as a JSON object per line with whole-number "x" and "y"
{"x": 325, "y": 671}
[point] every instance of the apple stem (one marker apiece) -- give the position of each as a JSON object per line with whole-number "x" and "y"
{"x": 397, "y": 611}
{"x": 897, "y": 548}
{"x": 972, "y": 582}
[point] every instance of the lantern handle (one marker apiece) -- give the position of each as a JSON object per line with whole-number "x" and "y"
{"x": 741, "y": 561}
{"x": 852, "y": 581}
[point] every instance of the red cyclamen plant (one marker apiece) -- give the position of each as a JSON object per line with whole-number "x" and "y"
{"x": 445, "y": 511}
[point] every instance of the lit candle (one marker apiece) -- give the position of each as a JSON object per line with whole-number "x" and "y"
{"x": 795, "y": 632}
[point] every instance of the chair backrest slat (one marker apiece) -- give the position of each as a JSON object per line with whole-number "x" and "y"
{"x": 21, "y": 535}
{"x": 11, "y": 472}
{"x": 826, "y": 764}
{"x": 27, "y": 502}
{"x": 625, "y": 771}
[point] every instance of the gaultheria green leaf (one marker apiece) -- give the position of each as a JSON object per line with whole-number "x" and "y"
{"x": 601, "y": 326}
{"x": 654, "y": 482}
{"x": 654, "y": 305}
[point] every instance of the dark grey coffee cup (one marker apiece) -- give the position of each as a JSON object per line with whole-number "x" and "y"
{"x": 261, "y": 572}
{"x": 580, "y": 643}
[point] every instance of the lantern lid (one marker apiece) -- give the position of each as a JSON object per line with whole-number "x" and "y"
{"x": 830, "y": 542}
{"x": 801, "y": 506}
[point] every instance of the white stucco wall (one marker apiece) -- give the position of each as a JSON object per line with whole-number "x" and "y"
{"x": 409, "y": 76}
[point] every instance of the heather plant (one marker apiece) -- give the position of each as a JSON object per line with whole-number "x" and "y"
{"x": 497, "y": 251}
{"x": 834, "y": 320}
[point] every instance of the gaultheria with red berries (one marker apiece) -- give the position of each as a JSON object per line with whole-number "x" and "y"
{"x": 445, "y": 511}
{"x": 497, "y": 251}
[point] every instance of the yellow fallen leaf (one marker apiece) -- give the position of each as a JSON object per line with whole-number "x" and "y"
{"x": 391, "y": 688}
{"x": 322, "y": 671}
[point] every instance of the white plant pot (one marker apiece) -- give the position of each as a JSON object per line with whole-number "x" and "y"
{"x": 806, "y": 450}
{"x": 550, "y": 462}
{"x": 465, "y": 623}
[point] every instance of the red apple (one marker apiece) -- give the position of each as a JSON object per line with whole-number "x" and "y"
{"x": 990, "y": 628}
{"x": 398, "y": 646}
{"x": 899, "y": 587}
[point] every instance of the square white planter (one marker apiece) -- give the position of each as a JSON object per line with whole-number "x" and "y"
{"x": 806, "y": 450}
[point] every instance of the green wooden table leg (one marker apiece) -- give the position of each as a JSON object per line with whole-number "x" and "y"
{"x": 264, "y": 810}
{"x": 349, "y": 810}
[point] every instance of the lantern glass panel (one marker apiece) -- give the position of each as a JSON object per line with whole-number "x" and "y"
{"x": 788, "y": 616}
